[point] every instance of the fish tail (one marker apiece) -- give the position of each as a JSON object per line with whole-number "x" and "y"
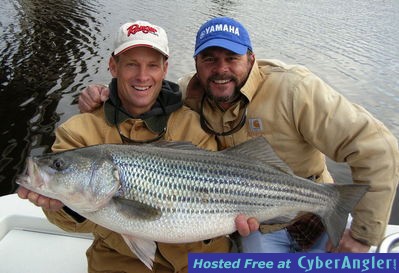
{"x": 335, "y": 221}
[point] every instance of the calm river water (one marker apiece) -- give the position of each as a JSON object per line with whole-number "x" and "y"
{"x": 50, "y": 50}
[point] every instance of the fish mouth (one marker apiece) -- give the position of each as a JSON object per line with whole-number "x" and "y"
{"x": 30, "y": 178}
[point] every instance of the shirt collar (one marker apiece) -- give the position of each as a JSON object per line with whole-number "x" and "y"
{"x": 251, "y": 85}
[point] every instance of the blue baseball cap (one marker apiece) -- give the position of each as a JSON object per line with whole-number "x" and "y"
{"x": 223, "y": 32}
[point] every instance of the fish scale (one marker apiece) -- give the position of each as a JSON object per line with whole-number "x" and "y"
{"x": 161, "y": 171}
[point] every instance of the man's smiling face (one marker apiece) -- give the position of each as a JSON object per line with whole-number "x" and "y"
{"x": 139, "y": 72}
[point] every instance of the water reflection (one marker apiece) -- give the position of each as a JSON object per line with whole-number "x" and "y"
{"x": 42, "y": 55}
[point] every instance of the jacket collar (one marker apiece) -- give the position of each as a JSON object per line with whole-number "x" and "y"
{"x": 251, "y": 85}
{"x": 168, "y": 101}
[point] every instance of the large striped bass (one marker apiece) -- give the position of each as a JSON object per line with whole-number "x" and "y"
{"x": 177, "y": 193}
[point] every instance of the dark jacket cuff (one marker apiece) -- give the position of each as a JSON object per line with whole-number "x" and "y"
{"x": 77, "y": 217}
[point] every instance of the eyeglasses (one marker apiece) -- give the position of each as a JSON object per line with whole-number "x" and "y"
{"x": 205, "y": 124}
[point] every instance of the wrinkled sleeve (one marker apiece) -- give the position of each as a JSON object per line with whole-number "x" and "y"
{"x": 65, "y": 139}
{"x": 66, "y": 222}
{"x": 346, "y": 132}
{"x": 184, "y": 125}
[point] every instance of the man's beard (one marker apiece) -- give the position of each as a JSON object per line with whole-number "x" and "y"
{"x": 223, "y": 99}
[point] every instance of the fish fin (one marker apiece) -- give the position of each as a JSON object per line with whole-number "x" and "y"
{"x": 260, "y": 150}
{"x": 99, "y": 193}
{"x": 135, "y": 209}
{"x": 335, "y": 222}
{"x": 143, "y": 249}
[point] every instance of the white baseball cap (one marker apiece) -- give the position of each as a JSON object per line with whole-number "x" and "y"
{"x": 141, "y": 33}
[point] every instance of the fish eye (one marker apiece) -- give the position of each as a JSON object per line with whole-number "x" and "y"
{"x": 59, "y": 164}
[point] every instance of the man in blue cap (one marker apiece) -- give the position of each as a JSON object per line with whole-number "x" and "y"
{"x": 239, "y": 97}
{"x": 304, "y": 119}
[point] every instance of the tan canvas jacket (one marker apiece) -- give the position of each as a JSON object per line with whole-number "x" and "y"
{"x": 304, "y": 119}
{"x": 109, "y": 253}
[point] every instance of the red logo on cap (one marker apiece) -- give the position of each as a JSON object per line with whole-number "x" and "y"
{"x": 133, "y": 29}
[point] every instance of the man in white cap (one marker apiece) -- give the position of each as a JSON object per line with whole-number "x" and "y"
{"x": 142, "y": 108}
{"x": 304, "y": 119}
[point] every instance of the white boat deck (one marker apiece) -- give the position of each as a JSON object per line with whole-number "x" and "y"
{"x": 29, "y": 243}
